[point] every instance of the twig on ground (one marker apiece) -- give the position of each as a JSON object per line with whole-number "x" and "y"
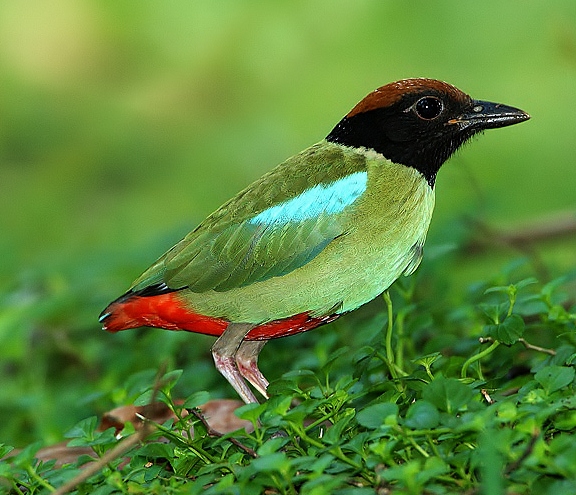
{"x": 533, "y": 347}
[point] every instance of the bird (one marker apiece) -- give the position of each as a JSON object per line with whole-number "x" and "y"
{"x": 323, "y": 233}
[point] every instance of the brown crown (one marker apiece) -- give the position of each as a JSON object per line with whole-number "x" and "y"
{"x": 389, "y": 94}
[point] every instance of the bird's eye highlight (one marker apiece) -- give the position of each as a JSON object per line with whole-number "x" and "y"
{"x": 428, "y": 108}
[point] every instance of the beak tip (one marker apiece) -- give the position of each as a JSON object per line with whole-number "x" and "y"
{"x": 488, "y": 115}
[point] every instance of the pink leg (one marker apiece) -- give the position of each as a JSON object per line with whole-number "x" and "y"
{"x": 247, "y": 362}
{"x": 224, "y": 353}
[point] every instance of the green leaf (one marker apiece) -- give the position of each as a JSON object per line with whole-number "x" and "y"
{"x": 448, "y": 394}
{"x": 506, "y": 412}
{"x": 565, "y": 420}
{"x": 299, "y": 373}
{"x": 512, "y": 288}
{"x": 499, "y": 288}
{"x": 494, "y": 312}
{"x": 83, "y": 429}
{"x": 553, "y": 378}
{"x": 272, "y": 445}
{"x": 509, "y": 331}
{"x": 5, "y": 450}
{"x": 272, "y": 462}
{"x": 105, "y": 437}
{"x": 320, "y": 464}
{"x": 156, "y": 450}
{"x": 374, "y": 416}
{"x": 526, "y": 282}
{"x": 330, "y": 483}
{"x": 422, "y": 415}
{"x": 145, "y": 398}
{"x": 335, "y": 433}
{"x": 250, "y": 412}
{"x": 196, "y": 399}
{"x": 170, "y": 378}
{"x": 428, "y": 359}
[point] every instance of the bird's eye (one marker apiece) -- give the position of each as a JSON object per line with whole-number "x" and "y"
{"x": 428, "y": 108}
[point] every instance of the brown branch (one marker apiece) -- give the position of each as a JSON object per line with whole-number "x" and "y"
{"x": 527, "y": 451}
{"x": 118, "y": 451}
{"x": 560, "y": 225}
{"x": 533, "y": 347}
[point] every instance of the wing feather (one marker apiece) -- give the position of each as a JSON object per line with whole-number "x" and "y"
{"x": 273, "y": 227}
{"x": 415, "y": 257}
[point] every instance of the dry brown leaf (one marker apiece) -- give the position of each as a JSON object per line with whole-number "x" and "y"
{"x": 219, "y": 415}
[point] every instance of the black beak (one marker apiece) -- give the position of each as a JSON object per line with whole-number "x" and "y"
{"x": 488, "y": 115}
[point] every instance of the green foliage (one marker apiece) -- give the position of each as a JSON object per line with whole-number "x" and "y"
{"x": 496, "y": 417}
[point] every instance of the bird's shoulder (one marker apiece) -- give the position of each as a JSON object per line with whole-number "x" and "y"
{"x": 310, "y": 170}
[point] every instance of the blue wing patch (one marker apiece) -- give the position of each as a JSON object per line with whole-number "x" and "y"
{"x": 276, "y": 241}
{"x": 324, "y": 198}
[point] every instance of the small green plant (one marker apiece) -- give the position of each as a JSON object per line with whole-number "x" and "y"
{"x": 494, "y": 413}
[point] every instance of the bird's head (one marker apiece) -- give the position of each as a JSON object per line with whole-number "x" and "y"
{"x": 420, "y": 122}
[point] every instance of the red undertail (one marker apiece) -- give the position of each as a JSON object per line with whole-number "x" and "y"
{"x": 169, "y": 312}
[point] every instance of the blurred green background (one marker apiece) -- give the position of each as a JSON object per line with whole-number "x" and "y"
{"x": 123, "y": 124}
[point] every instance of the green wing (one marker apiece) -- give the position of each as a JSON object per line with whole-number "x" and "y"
{"x": 276, "y": 225}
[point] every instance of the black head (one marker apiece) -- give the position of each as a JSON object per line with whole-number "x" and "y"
{"x": 420, "y": 123}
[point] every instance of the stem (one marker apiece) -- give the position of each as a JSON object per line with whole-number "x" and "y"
{"x": 388, "y": 338}
{"x": 428, "y": 432}
{"x": 34, "y": 475}
{"x": 389, "y": 327}
{"x": 423, "y": 453}
{"x": 432, "y": 446}
{"x": 400, "y": 341}
{"x": 512, "y": 292}
{"x": 479, "y": 371}
{"x": 395, "y": 371}
{"x": 321, "y": 420}
{"x": 477, "y": 357}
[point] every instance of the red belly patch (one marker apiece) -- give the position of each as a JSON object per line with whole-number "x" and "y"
{"x": 167, "y": 311}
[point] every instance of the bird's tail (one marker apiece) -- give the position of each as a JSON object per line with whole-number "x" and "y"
{"x": 157, "y": 309}
{"x": 122, "y": 314}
